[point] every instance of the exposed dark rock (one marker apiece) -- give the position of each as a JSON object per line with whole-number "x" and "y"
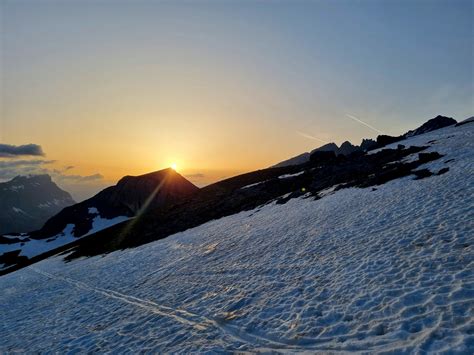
{"x": 426, "y": 157}
{"x": 368, "y": 144}
{"x": 383, "y": 140}
{"x": 330, "y": 147}
{"x": 5, "y": 240}
{"x": 298, "y": 160}
{"x": 12, "y": 258}
{"x": 421, "y": 174}
{"x": 347, "y": 148}
{"x": 466, "y": 121}
{"x": 442, "y": 171}
{"x": 156, "y": 189}
{"x": 431, "y": 125}
{"x": 322, "y": 157}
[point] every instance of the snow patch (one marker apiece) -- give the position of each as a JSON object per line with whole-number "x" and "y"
{"x": 252, "y": 185}
{"x": 18, "y": 210}
{"x": 14, "y": 188}
{"x": 93, "y": 210}
{"x": 286, "y": 176}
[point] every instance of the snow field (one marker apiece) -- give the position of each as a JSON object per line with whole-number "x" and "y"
{"x": 357, "y": 270}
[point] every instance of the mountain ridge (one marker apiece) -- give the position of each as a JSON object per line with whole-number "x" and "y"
{"x": 248, "y": 191}
{"x": 115, "y": 204}
{"x": 27, "y": 201}
{"x": 347, "y": 147}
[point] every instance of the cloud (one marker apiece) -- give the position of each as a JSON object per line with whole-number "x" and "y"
{"x": 5, "y": 164}
{"x": 364, "y": 123}
{"x": 10, "y": 151}
{"x": 196, "y": 176}
{"x": 11, "y": 168}
{"x": 80, "y": 186}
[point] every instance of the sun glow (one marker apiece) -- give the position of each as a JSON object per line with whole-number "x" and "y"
{"x": 174, "y": 166}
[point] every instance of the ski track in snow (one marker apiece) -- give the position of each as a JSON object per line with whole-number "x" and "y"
{"x": 385, "y": 270}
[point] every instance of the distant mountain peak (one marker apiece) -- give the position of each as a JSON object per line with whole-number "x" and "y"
{"x": 123, "y": 200}
{"x": 431, "y": 125}
{"x": 27, "y": 201}
{"x": 32, "y": 177}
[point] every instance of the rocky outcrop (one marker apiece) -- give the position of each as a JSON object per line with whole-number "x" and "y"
{"x": 431, "y": 125}
{"x": 466, "y": 121}
{"x": 348, "y": 148}
{"x": 323, "y": 157}
{"x": 368, "y": 144}
{"x": 383, "y": 140}
{"x": 330, "y": 147}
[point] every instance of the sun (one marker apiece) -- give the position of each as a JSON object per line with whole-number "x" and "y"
{"x": 174, "y": 166}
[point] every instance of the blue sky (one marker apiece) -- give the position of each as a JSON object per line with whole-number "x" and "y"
{"x": 148, "y": 83}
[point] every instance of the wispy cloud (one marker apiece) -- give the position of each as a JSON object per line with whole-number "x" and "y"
{"x": 305, "y": 135}
{"x": 5, "y": 164}
{"x": 364, "y": 123}
{"x": 11, "y": 168}
{"x": 10, "y": 151}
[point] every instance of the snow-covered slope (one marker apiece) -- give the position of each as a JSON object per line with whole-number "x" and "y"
{"x": 385, "y": 269}
{"x": 109, "y": 207}
{"x": 29, "y": 248}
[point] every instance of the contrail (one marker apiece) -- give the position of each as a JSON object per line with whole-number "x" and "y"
{"x": 309, "y": 136}
{"x": 365, "y": 124}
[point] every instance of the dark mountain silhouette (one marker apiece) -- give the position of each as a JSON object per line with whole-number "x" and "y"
{"x": 126, "y": 198}
{"x": 248, "y": 191}
{"x": 466, "y": 121}
{"x": 26, "y": 202}
{"x": 348, "y": 148}
{"x": 193, "y": 206}
{"x": 132, "y": 196}
{"x": 431, "y": 125}
{"x": 368, "y": 144}
{"x": 330, "y": 147}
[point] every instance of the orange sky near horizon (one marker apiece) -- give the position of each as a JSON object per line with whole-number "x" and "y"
{"x": 220, "y": 88}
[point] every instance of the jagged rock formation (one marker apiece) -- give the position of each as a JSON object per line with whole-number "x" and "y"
{"x": 348, "y": 148}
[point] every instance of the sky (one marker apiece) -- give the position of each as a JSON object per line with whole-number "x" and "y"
{"x": 111, "y": 88}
